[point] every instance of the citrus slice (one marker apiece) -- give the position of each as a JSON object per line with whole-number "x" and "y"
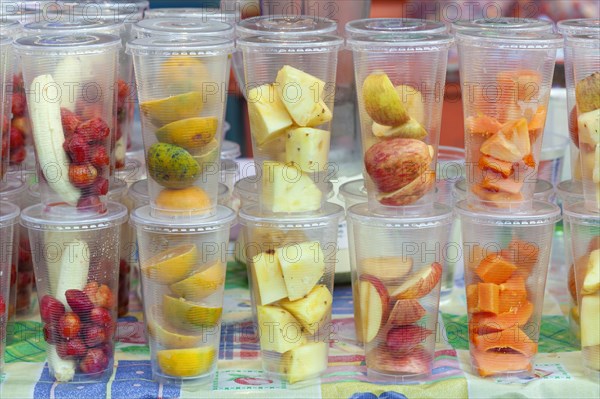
{"x": 174, "y": 108}
{"x": 186, "y": 362}
{"x": 190, "y": 316}
{"x": 171, "y": 265}
{"x": 183, "y": 202}
{"x": 201, "y": 284}
{"x": 168, "y": 339}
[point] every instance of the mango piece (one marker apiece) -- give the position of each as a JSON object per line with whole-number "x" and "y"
{"x": 191, "y": 133}
{"x": 495, "y": 269}
{"x": 166, "y": 110}
{"x": 201, "y": 284}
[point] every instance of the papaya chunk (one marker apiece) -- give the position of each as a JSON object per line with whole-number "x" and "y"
{"x": 511, "y": 186}
{"x": 536, "y": 124}
{"x": 495, "y": 269}
{"x": 492, "y": 363}
{"x": 484, "y": 323}
{"x": 506, "y": 341}
{"x": 519, "y": 85}
{"x": 513, "y": 293}
{"x": 482, "y": 124}
{"x": 498, "y": 199}
{"x": 472, "y": 298}
{"x": 488, "y": 295}
{"x": 522, "y": 253}
{"x": 487, "y": 162}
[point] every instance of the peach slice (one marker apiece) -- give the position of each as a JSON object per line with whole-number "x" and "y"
{"x": 405, "y": 312}
{"x": 389, "y": 269}
{"x": 419, "y": 283}
{"x": 495, "y": 269}
{"x": 374, "y": 305}
{"x": 482, "y": 124}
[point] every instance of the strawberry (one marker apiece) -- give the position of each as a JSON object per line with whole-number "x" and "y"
{"x": 77, "y": 148}
{"x": 69, "y": 120}
{"x": 19, "y": 104}
{"x": 93, "y": 130}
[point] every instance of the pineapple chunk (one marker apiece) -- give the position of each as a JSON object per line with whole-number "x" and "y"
{"x": 511, "y": 143}
{"x": 323, "y": 115}
{"x": 287, "y": 189}
{"x": 312, "y": 310}
{"x": 279, "y": 331}
{"x": 268, "y": 116}
{"x": 300, "y": 94}
{"x": 302, "y": 265}
{"x": 306, "y": 361}
{"x": 590, "y": 320}
{"x": 588, "y": 125}
{"x": 269, "y": 278}
{"x": 307, "y": 148}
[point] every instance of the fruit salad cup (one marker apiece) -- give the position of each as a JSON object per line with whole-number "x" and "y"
{"x": 397, "y": 267}
{"x": 582, "y": 71}
{"x": 5, "y": 102}
{"x": 71, "y": 106}
{"x": 290, "y": 88}
{"x": 291, "y": 269}
{"x": 181, "y": 88}
{"x": 400, "y": 82}
{"x": 505, "y": 99}
{"x": 183, "y": 279}
{"x": 77, "y": 268}
{"x": 585, "y": 247}
{"x": 506, "y": 263}
{"x": 9, "y": 214}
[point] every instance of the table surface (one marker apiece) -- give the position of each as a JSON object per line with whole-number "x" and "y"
{"x": 558, "y": 370}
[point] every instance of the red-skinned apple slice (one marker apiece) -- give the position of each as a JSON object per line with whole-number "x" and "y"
{"x": 420, "y": 283}
{"x": 405, "y": 312}
{"x": 374, "y": 305}
{"x": 389, "y": 269}
{"x": 417, "y": 362}
{"x": 406, "y": 338}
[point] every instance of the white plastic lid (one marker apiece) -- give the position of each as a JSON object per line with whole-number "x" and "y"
{"x": 36, "y": 218}
{"x": 10, "y": 28}
{"x": 188, "y": 27}
{"x": 436, "y": 215}
{"x": 222, "y": 219}
{"x": 12, "y": 190}
{"x": 404, "y": 42}
{"x": 172, "y": 46}
{"x": 581, "y": 26}
{"x": 281, "y": 24}
{"x": 9, "y": 214}
{"x": 541, "y": 213}
{"x": 353, "y": 191}
{"x": 576, "y": 213}
{"x": 522, "y": 40}
{"x": 75, "y": 26}
{"x": 330, "y": 213}
{"x": 215, "y": 14}
{"x": 230, "y": 150}
{"x": 394, "y": 25}
{"x": 60, "y": 45}
{"x": 504, "y": 24}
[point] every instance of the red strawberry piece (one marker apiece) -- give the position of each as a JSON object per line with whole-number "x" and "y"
{"x": 99, "y": 156}
{"x": 16, "y": 138}
{"x": 19, "y": 104}
{"x": 77, "y": 148}
{"x": 79, "y": 302}
{"x": 69, "y": 120}
{"x": 18, "y": 156}
{"x": 93, "y": 130}
{"x": 100, "y": 186}
{"x": 91, "y": 202}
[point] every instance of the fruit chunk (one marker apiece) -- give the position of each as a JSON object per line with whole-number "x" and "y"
{"x": 322, "y": 115}
{"x": 587, "y": 93}
{"x": 389, "y": 269}
{"x": 482, "y": 124}
{"x": 303, "y": 362}
{"x": 174, "y": 108}
{"x": 312, "y": 310}
{"x": 513, "y": 294}
{"x": 279, "y": 330}
{"x": 185, "y": 72}
{"x": 405, "y": 312}
{"x": 307, "y": 148}
{"x": 484, "y": 323}
{"x": 591, "y": 356}
{"x": 498, "y": 199}
{"x": 190, "y": 316}
{"x": 187, "y": 362}
{"x": 269, "y": 277}
{"x": 300, "y": 93}
{"x": 511, "y": 143}
{"x": 171, "y": 265}
{"x": 413, "y": 102}
{"x": 416, "y": 362}
{"x": 405, "y": 338}
{"x": 495, "y": 269}
{"x": 590, "y": 320}
{"x": 201, "y": 284}
{"x": 172, "y": 166}
{"x": 287, "y": 189}
{"x": 591, "y": 281}
{"x": 191, "y": 134}
{"x": 491, "y": 363}
{"x": 537, "y": 122}
{"x": 382, "y": 102}
{"x": 519, "y": 85}
{"x": 374, "y": 304}
{"x": 490, "y": 163}
{"x": 588, "y": 125}
{"x": 192, "y": 200}
{"x": 410, "y": 130}
{"x": 511, "y": 185}
{"x": 302, "y": 266}
{"x": 488, "y": 297}
{"x": 510, "y": 340}
{"x": 207, "y": 156}
{"x": 157, "y": 329}
{"x": 267, "y": 114}
{"x": 420, "y": 283}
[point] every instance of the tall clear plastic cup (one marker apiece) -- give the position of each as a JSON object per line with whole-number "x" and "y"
{"x": 5, "y": 102}
{"x": 9, "y": 214}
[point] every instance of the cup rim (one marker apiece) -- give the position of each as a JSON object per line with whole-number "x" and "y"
{"x": 437, "y": 215}
{"x": 401, "y": 42}
{"x": 330, "y": 212}
{"x": 589, "y": 40}
{"x": 72, "y": 26}
{"x": 570, "y": 188}
{"x": 117, "y": 187}
{"x": 578, "y": 26}
{"x": 12, "y": 187}
{"x": 503, "y": 24}
{"x": 9, "y": 215}
{"x": 353, "y": 190}
{"x": 35, "y": 218}
{"x": 230, "y": 150}
{"x": 142, "y": 218}
{"x": 188, "y": 26}
{"x": 510, "y": 39}
{"x": 139, "y": 191}
{"x": 290, "y": 43}
{"x": 10, "y": 27}
{"x": 256, "y": 26}
{"x": 541, "y": 213}
{"x": 577, "y": 213}
{"x": 394, "y": 25}
{"x": 5, "y": 41}
{"x": 180, "y": 45}
{"x": 223, "y": 15}
{"x": 70, "y": 44}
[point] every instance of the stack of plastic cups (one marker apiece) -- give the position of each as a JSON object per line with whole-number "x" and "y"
{"x": 291, "y": 233}
{"x": 582, "y": 68}
{"x": 183, "y": 234}
{"x": 74, "y": 232}
{"x": 578, "y": 27}
{"x": 398, "y": 238}
{"x": 9, "y": 216}
{"x": 506, "y": 233}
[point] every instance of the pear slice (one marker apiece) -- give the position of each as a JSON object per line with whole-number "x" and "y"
{"x": 382, "y": 102}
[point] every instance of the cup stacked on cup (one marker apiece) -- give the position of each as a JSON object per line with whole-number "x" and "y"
{"x": 290, "y": 232}
{"x": 506, "y": 75}
{"x": 398, "y": 236}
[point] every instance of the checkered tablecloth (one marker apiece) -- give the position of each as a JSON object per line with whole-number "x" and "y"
{"x": 558, "y": 372}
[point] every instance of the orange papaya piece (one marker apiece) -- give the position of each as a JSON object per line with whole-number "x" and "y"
{"x": 497, "y": 199}
{"x": 488, "y": 295}
{"x": 482, "y": 124}
{"x": 513, "y": 293}
{"x": 495, "y": 269}
{"x": 483, "y": 323}
{"x": 536, "y": 124}
{"x": 519, "y": 85}
{"x": 487, "y": 162}
{"x": 524, "y": 254}
{"x": 506, "y": 341}
{"x": 492, "y": 363}
{"x": 472, "y": 298}
{"x": 511, "y": 186}
{"x": 529, "y": 161}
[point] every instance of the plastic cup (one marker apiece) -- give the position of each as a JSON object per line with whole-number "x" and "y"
{"x": 543, "y": 190}
{"x": 76, "y": 270}
{"x": 585, "y": 246}
{"x": 504, "y": 24}
{"x": 450, "y": 169}
{"x": 506, "y": 263}
{"x": 291, "y": 270}
{"x": 133, "y": 171}
{"x": 552, "y": 158}
{"x": 396, "y": 288}
{"x": 9, "y": 214}
{"x": 71, "y": 106}
{"x": 5, "y": 97}
{"x": 224, "y": 15}
{"x": 369, "y": 26}
{"x": 181, "y": 88}
{"x": 186, "y": 27}
{"x": 582, "y": 72}
{"x": 400, "y": 113}
{"x": 506, "y": 80}
{"x": 137, "y": 196}
{"x": 183, "y": 279}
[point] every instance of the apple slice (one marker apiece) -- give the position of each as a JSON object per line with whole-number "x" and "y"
{"x": 417, "y": 362}
{"x": 590, "y": 320}
{"x": 405, "y": 338}
{"x": 389, "y": 269}
{"x": 420, "y": 283}
{"x": 374, "y": 305}
{"x": 591, "y": 282}
{"x": 405, "y": 312}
